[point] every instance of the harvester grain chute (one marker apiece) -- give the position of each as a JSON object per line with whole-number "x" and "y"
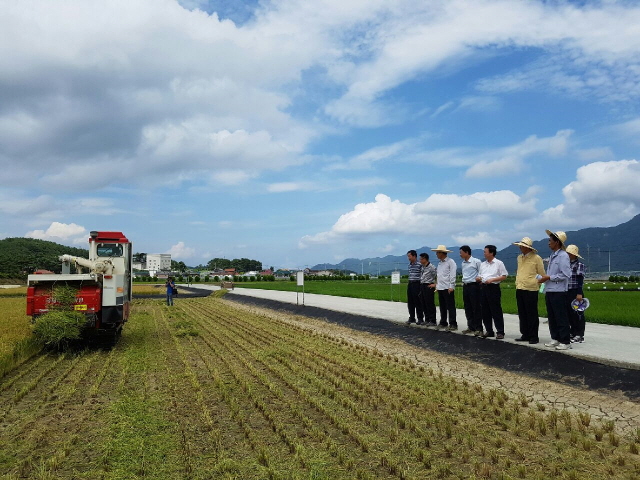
{"x": 103, "y": 285}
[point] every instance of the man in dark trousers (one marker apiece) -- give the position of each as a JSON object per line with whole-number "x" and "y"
{"x": 446, "y": 286}
{"x": 171, "y": 288}
{"x": 556, "y": 286}
{"x": 576, "y": 317}
{"x": 471, "y": 291}
{"x": 428, "y": 290}
{"x": 492, "y": 272}
{"x": 413, "y": 289}
{"x": 530, "y": 267}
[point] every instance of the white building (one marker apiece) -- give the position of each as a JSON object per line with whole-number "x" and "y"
{"x": 158, "y": 262}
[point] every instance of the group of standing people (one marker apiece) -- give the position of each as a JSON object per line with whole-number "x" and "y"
{"x": 481, "y": 293}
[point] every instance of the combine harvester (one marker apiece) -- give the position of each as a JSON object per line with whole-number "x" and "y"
{"x": 103, "y": 294}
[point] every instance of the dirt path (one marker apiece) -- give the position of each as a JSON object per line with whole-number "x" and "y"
{"x": 602, "y": 406}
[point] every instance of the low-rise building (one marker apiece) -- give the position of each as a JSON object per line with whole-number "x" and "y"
{"x": 158, "y": 261}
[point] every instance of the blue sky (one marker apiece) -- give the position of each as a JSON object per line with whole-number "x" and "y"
{"x": 300, "y": 132}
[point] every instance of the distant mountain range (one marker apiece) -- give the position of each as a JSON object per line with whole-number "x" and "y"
{"x": 604, "y": 249}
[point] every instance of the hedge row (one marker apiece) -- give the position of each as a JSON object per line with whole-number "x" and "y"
{"x": 621, "y": 279}
{"x": 314, "y": 278}
{"x": 207, "y": 278}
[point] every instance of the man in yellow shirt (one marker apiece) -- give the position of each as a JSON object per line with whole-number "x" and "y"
{"x": 529, "y": 268}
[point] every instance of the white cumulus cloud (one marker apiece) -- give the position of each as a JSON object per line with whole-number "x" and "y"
{"x": 181, "y": 251}
{"x": 449, "y": 214}
{"x": 58, "y": 231}
{"x": 603, "y": 193}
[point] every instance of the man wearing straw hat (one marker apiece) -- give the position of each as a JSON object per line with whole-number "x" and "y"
{"x": 557, "y": 284}
{"x": 529, "y": 268}
{"x": 445, "y": 285}
{"x": 576, "y": 317}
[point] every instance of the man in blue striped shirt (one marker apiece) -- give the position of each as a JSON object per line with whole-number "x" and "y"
{"x": 428, "y": 290}
{"x": 413, "y": 289}
{"x": 556, "y": 285}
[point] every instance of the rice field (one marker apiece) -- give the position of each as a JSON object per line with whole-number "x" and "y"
{"x": 208, "y": 390}
{"x": 12, "y": 292}
{"x": 15, "y": 333}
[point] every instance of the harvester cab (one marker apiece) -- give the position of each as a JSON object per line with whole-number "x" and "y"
{"x": 103, "y": 284}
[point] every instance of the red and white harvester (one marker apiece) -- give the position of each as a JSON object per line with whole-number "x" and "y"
{"x": 103, "y": 292}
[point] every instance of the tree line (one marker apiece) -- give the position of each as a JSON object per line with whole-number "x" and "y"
{"x": 21, "y": 256}
{"x": 240, "y": 264}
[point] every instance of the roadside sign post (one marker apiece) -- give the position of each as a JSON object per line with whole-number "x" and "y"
{"x": 395, "y": 280}
{"x": 299, "y": 283}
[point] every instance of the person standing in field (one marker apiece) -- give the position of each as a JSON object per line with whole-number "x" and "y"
{"x": 492, "y": 272}
{"x": 576, "y": 318}
{"x": 171, "y": 286}
{"x": 445, "y": 285}
{"x": 556, "y": 286}
{"x": 413, "y": 289}
{"x": 471, "y": 291}
{"x": 428, "y": 290}
{"x": 530, "y": 267}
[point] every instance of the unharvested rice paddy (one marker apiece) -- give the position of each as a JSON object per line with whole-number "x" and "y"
{"x": 209, "y": 390}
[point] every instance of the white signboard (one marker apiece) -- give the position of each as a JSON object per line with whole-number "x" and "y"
{"x": 395, "y": 278}
{"x": 300, "y": 278}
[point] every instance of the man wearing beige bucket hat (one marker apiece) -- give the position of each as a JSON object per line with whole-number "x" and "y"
{"x": 557, "y": 284}
{"x": 529, "y": 267}
{"x": 445, "y": 285}
{"x": 576, "y": 318}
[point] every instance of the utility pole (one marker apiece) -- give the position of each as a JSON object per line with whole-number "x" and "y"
{"x": 609, "y": 252}
{"x": 588, "y": 254}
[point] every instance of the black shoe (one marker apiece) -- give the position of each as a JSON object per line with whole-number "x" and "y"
{"x": 420, "y": 322}
{"x": 533, "y": 341}
{"x": 411, "y": 320}
{"x": 488, "y": 335}
{"x": 522, "y": 339}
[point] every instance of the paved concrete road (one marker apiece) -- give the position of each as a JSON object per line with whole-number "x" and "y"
{"x": 609, "y": 344}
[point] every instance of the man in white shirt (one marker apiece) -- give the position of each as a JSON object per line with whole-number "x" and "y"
{"x": 492, "y": 272}
{"x": 445, "y": 285}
